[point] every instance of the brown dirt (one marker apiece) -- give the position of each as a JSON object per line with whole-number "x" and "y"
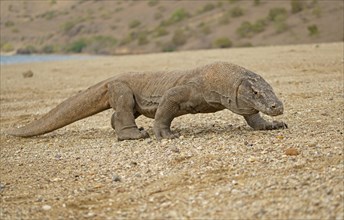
{"x": 219, "y": 168}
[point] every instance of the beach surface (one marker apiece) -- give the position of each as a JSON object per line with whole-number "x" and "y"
{"x": 218, "y": 168}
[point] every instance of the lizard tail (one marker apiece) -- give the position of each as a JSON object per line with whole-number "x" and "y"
{"x": 84, "y": 104}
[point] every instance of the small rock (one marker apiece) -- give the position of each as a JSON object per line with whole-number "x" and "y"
{"x": 116, "y": 178}
{"x": 2, "y": 187}
{"x": 46, "y": 207}
{"x": 175, "y": 149}
{"x": 28, "y": 74}
{"x": 312, "y": 144}
{"x": 252, "y": 159}
{"x": 292, "y": 151}
{"x": 280, "y": 137}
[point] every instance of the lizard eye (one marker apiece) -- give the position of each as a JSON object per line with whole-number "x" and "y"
{"x": 255, "y": 92}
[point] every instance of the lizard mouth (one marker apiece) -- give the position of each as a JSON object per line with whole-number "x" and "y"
{"x": 275, "y": 111}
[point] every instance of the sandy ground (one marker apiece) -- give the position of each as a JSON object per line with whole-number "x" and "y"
{"x": 219, "y": 167}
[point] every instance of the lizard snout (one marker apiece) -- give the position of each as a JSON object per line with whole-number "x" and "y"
{"x": 276, "y": 109}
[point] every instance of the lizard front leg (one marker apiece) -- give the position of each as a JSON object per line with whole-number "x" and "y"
{"x": 123, "y": 120}
{"x": 259, "y": 123}
{"x": 171, "y": 106}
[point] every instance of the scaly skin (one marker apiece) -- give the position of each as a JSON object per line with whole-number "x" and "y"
{"x": 165, "y": 96}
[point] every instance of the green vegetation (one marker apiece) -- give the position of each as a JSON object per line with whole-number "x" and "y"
{"x": 236, "y": 12}
{"x": 313, "y": 30}
{"x": 296, "y": 6}
{"x": 67, "y": 26}
{"x": 9, "y": 24}
{"x": 206, "y": 8}
{"x": 153, "y": 2}
{"x": 142, "y": 38}
{"x": 76, "y": 46}
{"x": 248, "y": 29}
{"x": 316, "y": 11}
{"x": 160, "y": 31}
{"x": 99, "y": 44}
{"x": 134, "y": 24}
{"x": 178, "y": 16}
{"x": 222, "y": 42}
{"x": 179, "y": 38}
{"x": 277, "y": 13}
{"x": 29, "y": 49}
{"x": 279, "y": 16}
{"x": 205, "y": 28}
{"x": 232, "y": 1}
{"x": 49, "y": 15}
{"x": 256, "y": 2}
{"x": 7, "y": 47}
{"x": 50, "y": 49}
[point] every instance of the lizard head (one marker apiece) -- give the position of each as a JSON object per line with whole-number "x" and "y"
{"x": 258, "y": 94}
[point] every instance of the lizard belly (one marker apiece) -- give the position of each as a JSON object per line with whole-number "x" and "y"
{"x": 147, "y": 106}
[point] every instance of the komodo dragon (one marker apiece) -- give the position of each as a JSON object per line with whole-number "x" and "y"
{"x": 164, "y": 96}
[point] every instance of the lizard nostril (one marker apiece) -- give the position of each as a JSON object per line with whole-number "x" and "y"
{"x": 273, "y": 106}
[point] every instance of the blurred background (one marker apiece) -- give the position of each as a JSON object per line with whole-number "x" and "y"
{"x": 133, "y": 27}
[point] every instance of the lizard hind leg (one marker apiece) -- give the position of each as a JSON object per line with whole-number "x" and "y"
{"x": 123, "y": 120}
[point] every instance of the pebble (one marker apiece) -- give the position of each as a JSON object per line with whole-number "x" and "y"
{"x": 27, "y": 74}
{"x": 175, "y": 149}
{"x": 116, "y": 178}
{"x": 46, "y": 207}
{"x": 292, "y": 151}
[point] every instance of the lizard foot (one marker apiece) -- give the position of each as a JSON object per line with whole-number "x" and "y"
{"x": 278, "y": 125}
{"x": 165, "y": 134}
{"x": 132, "y": 134}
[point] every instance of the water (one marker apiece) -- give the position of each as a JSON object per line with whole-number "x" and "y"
{"x": 15, "y": 59}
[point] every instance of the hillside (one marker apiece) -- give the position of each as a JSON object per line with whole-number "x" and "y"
{"x": 121, "y": 27}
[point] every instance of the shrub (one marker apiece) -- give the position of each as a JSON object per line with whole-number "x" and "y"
{"x": 153, "y": 2}
{"x": 277, "y": 13}
{"x": 236, "y": 12}
{"x": 134, "y": 24}
{"x": 29, "y": 49}
{"x": 247, "y": 29}
{"x": 7, "y": 47}
{"x": 206, "y": 8}
{"x": 142, "y": 38}
{"x": 169, "y": 47}
{"x": 178, "y": 15}
{"x": 179, "y": 38}
{"x": 205, "y": 29}
{"x": 160, "y": 31}
{"x": 76, "y": 46}
{"x": 256, "y": 2}
{"x": 313, "y": 30}
{"x": 67, "y": 26}
{"x": 49, "y": 49}
{"x": 259, "y": 26}
{"x": 296, "y": 6}
{"x": 9, "y": 24}
{"x": 222, "y": 42}
{"x": 280, "y": 24}
{"x": 49, "y": 15}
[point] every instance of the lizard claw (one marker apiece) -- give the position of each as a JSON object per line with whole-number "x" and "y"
{"x": 279, "y": 125}
{"x": 165, "y": 134}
